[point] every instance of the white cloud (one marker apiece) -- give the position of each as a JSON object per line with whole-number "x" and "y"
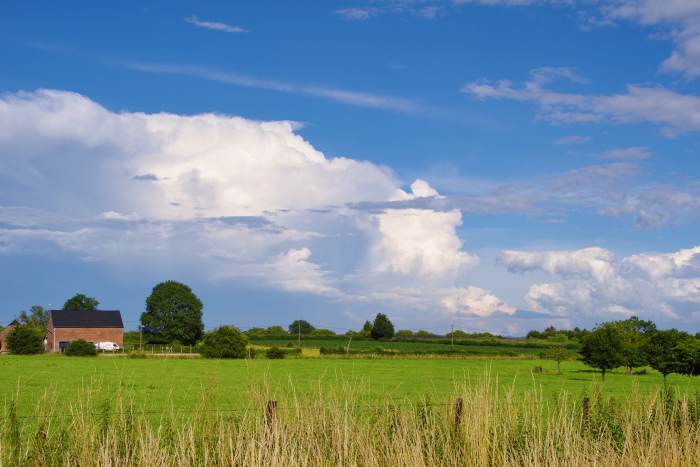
{"x": 638, "y": 104}
{"x": 422, "y": 242}
{"x": 215, "y": 25}
{"x": 681, "y": 16}
{"x": 594, "y": 282}
{"x": 222, "y": 197}
{"x": 474, "y": 301}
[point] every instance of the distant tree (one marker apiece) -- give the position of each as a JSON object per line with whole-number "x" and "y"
{"x": 662, "y": 351}
{"x": 323, "y": 333}
{"x": 173, "y": 313}
{"x": 81, "y": 348}
{"x": 458, "y": 333}
{"x": 403, "y": 334}
{"x": 604, "y": 348}
{"x": 37, "y": 317}
{"x": 25, "y": 340}
{"x": 382, "y": 327}
{"x": 300, "y": 327}
{"x": 558, "y": 353}
{"x": 256, "y": 332}
{"x": 635, "y": 332}
{"x": 81, "y": 302}
{"x": 366, "y": 330}
{"x": 224, "y": 342}
{"x": 423, "y": 334}
{"x": 276, "y": 331}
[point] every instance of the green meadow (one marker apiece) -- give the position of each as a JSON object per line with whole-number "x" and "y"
{"x": 159, "y": 383}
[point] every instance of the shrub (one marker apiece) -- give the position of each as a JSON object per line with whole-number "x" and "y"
{"x": 224, "y": 342}
{"x": 275, "y": 353}
{"x": 81, "y": 348}
{"x": 26, "y": 340}
{"x": 322, "y": 333}
{"x": 403, "y": 334}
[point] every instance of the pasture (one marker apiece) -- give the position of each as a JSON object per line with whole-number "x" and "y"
{"x": 154, "y": 383}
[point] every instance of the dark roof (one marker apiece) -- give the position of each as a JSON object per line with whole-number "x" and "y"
{"x": 86, "y": 319}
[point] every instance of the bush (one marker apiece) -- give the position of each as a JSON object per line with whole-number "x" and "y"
{"x": 81, "y": 348}
{"x": 322, "y": 333}
{"x": 403, "y": 334}
{"x": 224, "y": 342}
{"x": 26, "y": 340}
{"x": 275, "y": 353}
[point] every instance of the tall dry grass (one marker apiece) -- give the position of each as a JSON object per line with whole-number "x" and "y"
{"x": 341, "y": 427}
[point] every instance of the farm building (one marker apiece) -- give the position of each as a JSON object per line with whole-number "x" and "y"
{"x": 93, "y": 326}
{"x": 3, "y": 336}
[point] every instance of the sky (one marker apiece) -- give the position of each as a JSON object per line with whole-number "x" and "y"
{"x": 492, "y": 165}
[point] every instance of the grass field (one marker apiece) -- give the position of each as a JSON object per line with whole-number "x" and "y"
{"x": 114, "y": 410}
{"x": 158, "y": 382}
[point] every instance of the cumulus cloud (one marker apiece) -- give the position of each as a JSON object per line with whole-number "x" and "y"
{"x": 422, "y": 242}
{"x": 474, "y": 301}
{"x": 637, "y": 104}
{"x": 223, "y": 196}
{"x": 596, "y": 283}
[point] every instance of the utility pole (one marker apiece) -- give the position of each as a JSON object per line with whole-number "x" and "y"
{"x": 140, "y": 338}
{"x": 452, "y": 335}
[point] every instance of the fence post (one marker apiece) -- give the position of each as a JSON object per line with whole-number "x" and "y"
{"x": 271, "y": 413}
{"x": 459, "y": 405}
{"x": 586, "y": 412}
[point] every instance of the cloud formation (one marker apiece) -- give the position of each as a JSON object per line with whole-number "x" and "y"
{"x": 656, "y": 105}
{"x": 215, "y": 25}
{"x": 596, "y": 283}
{"x": 230, "y": 198}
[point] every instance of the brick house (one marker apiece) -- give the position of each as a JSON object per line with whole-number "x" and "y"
{"x": 3, "y": 336}
{"x": 93, "y": 326}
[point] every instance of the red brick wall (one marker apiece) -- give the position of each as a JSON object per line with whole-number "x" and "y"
{"x": 115, "y": 335}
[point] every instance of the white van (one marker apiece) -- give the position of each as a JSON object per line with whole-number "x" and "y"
{"x": 107, "y": 346}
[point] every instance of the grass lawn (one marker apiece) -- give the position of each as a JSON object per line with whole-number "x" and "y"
{"x": 157, "y": 383}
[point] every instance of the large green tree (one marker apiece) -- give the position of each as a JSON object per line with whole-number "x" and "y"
{"x": 81, "y": 302}
{"x": 664, "y": 351}
{"x": 301, "y": 327}
{"x": 382, "y": 327}
{"x": 604, "y": 348}
{"x": 173, "y": 313}
{"x": 635, "y": 333}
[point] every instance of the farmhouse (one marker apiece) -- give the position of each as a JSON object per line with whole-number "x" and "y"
{"x": 93, "y": 326}
{"x": 3, "y": 336}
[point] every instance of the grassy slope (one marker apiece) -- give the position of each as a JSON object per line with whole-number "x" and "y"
{"x": 157, "y": 382}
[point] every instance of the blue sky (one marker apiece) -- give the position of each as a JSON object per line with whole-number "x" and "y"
{"x": 497, "y": 165}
